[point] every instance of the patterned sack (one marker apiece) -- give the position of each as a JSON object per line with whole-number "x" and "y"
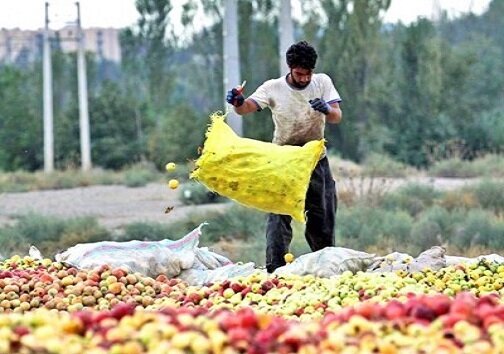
{"x": 260, "y": 175}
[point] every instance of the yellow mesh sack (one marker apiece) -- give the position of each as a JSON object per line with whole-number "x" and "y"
{"x": 260, "y": 175}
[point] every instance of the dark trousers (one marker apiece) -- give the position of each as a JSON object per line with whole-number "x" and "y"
{"x": 320, "y": 206}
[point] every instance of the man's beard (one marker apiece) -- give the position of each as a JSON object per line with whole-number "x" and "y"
{"x": 297, "y": 84}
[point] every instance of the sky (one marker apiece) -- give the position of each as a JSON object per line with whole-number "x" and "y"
{"x": 29, "y": 14}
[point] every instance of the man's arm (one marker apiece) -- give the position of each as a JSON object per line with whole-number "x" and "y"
{"x": 241, "y": 105}
{"x": 247, "y": 107}
{"x": 331, "y": 110}
{"x": 334, "y": 115}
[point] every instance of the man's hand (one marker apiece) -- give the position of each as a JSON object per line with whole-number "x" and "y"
{"x": 320, "y": 105}
{"x": 235, "y": 97}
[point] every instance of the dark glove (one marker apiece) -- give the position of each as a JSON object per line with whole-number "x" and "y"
{"x": 235, "y": 97}
{"x": 320, "y": 105}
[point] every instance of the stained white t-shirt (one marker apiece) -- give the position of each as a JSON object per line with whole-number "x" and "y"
{"x": 296, "y": 122}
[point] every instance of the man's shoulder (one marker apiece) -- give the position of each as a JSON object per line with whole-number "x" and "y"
{"x": 272, "y": 86}
{"x": 321, "y": 77}
{"x": 275, "y": 82}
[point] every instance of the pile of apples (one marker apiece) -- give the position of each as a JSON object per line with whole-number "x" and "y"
{"x": 27, "y": 284}
{"x": 46, "y": 306}
{"x": 431, "y": 323}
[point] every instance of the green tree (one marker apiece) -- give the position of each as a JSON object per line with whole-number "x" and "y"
{"x": 258, "y": 55}
{"x": 114, "y": 131}
{"x": 346, "y": 34}
{"x": 66, "y": 106}
{"x": 148, "y": 54}
{"x": 178, "y": 137}
{"x": 492, "y": 22}
{"x": 420, "y": 87}
{"x": 20, "y": 118}
{"x": 474, "y": 80}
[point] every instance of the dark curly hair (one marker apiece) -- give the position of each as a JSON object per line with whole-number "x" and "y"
{"x": 301, "y": 55}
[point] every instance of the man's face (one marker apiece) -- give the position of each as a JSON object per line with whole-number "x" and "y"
{"x": 301, "y": 77}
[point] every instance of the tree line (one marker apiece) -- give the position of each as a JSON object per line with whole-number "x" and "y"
{"x": 417, "y": 92}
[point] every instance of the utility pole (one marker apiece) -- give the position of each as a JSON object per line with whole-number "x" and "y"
{"x": 436, "y": 11}
{"x": 48, "y": 98}
{"x": 8, "y": 47}
{"x": 231, "y": 59}
{"x": 85, "y": 141}
{"x": 286, "y": 33}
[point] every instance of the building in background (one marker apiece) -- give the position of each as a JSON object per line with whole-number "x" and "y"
{"x": 22, "y": 46}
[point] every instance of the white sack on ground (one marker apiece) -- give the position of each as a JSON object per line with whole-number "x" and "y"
{"x": 492, "y": 258}
{"x": 453, "y": 260}
{"x": 200, "y": 277}
{"x": 390, "y": 263}
{"x": 35, "y": 253}
{"x": 206, "y": 259}
{"x": 149, "y": 258}
{"x": 433, "y": 258}
{"x": 328, "y": 262}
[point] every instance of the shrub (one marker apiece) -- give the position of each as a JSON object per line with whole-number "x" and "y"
{"x": 497, "y": 241}
{"x": 425, "y": 233}
{"x": 397, "y": 226}
{"x": 380, "y": 165}
{"x": 438, "y": 226}
{"x": 343, "y": 168}
{"x": 491, "y": 128}
{"x": 196, "y": 193}
{"x": 67, "y": 180}
{"x": 453, "y": 167}
{"x": 174, "y": 230}
{"x": 22, "y": 181}
{"x": 140, "y": 174}
{"x": 348, "y": 226}
{"x": 16, "y": 181}
{"x": 361, "y": 227}
{"x": 50, "y": 235}
{"x": 457, "y": 199}
{"x": 143, "y": 231}
{"x": 72, "y": 178}
{"x": 137, "y": 178}
{"x": 251, "y": 251}
{"x": 38, "y": 228}
{"x": 177, "y": 137}
{"x": 77, "y": 230}
{"x": 476, "y": 229}
{"x": 368, "y": 191}
{"x": 441, "y": 217}
{"x": 181, "y": 172}
{"x": 490, "y": 195}
{"x": 235, "y": 222}
{"x": 490, "y": 165}
{"x": 414, "y": 198}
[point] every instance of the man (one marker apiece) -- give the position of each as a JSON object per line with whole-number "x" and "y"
{"x": 301, "y": 103}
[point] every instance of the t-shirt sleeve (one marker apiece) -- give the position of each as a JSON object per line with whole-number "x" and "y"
{"x": 330, "y": 94}
{"x": 261, "y": 96}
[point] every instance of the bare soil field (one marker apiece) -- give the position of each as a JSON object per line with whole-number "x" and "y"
{"x": 116, "y": 206}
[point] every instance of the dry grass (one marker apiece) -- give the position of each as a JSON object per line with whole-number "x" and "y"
{"x": 368, "y": 190}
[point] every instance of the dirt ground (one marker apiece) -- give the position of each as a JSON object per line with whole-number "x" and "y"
{"x": 113, "y": 206}
{"x": 116, "y": 206}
